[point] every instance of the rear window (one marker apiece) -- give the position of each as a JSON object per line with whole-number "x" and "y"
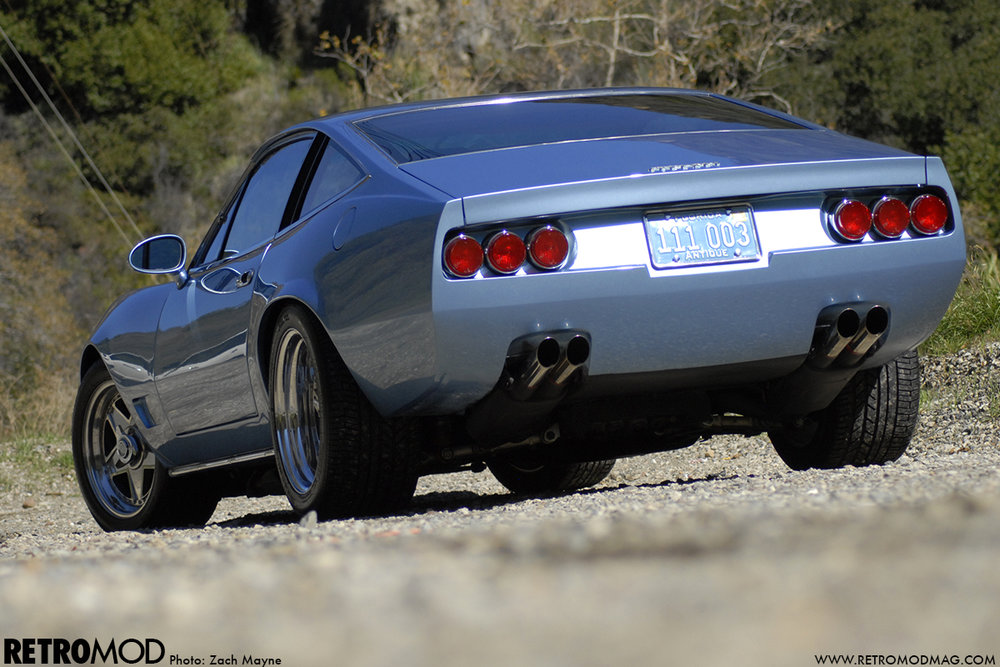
{"x": 428, "y": 133}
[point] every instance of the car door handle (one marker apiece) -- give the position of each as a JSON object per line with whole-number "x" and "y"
{"x": 245, "y": 279}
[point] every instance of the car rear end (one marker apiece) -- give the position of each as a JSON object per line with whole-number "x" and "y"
{"x": 709, "y": 262}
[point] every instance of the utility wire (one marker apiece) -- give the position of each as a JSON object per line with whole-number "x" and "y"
{"x": 65, "y": 153}
{"x": 82, "y": 128}
{"x": 69, "y": 103}
{"x": 62, "y": 147}
{"x": 69, "y": 130}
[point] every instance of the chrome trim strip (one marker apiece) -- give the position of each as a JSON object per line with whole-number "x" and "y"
{"x": 221, "y": 463}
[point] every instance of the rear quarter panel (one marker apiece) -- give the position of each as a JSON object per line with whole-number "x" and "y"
{"x": 369, "y": 285}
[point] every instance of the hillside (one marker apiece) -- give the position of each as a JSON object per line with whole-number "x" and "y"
{"x": 169, "y": 98}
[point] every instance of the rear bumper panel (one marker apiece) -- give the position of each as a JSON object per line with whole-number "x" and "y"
{"x": 640, "y": 323}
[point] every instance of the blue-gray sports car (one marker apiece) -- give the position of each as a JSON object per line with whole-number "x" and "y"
{"x": 537, "y": 284}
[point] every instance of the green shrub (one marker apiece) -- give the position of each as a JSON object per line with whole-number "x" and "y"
{"x": 974, "y": 314}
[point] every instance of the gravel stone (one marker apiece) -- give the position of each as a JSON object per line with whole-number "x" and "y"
{"x": 715, "y": 554}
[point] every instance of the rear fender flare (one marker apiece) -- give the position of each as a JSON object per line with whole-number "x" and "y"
{"x": 304, "y": 300}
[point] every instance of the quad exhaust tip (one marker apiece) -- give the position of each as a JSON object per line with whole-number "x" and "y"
{"x": 846, "y": 333}
{"x": 548, "y": 363}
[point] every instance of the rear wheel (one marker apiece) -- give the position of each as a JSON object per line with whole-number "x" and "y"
{"x": 123, "y": 484}
{"x": 531, "y": 474}
{"x": 871, "y": 421}
{"x": 336, "y": 454}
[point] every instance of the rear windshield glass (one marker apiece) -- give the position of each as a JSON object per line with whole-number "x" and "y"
{"x": 428, "y": 133}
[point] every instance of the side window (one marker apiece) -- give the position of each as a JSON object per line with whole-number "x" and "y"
{"x": 334, "y": 174}
{"x": 214, "y": 250}
{"x": 262, "y": 205}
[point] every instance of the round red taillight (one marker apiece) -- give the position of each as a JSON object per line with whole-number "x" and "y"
{"x": 463, "y": 256}
{"x": 548, "y": 247}
{"x": 890, "y": 217}
{"x": 928, "y": 214}
{"x": 505, "y": 252}
{"x": 852, "y": 220}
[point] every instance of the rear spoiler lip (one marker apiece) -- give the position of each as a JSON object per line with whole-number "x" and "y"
{"x": 702, "y": 184}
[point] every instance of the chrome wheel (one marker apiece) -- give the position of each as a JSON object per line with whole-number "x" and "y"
{"x": 119, "y": 468}
{"x": 297, "y": 411}
{"x": 122, "y": 482}
{"x": 335, "y": 454}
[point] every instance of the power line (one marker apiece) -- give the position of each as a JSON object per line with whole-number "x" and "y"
{"x": 65, "y": 153}
{"x": 62, "y": 147}
{"x": 72, "y": 134}
{"x": 119, "y": 187}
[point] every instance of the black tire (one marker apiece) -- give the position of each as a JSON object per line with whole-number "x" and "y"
{"x": 530, "y": 474}
{"x": 871, "y": 421}
{"x": 124, "y": 485}
{"x": 336, "y": 454}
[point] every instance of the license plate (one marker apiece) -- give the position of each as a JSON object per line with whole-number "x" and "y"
{"x": 693, "y": 238}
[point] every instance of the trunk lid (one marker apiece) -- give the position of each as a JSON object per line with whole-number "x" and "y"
{"x": 546, "y": 165}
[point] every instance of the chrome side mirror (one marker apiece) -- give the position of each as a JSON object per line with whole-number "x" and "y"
{"x": 160, "y": 255}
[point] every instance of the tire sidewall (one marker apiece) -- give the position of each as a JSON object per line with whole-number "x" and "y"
{"x": 849, "y": 431}
{"x": 534, "y": 474}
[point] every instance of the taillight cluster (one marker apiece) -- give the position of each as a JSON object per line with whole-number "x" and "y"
{"x": 504, "y": 252}
{"x": 889, "y": 217}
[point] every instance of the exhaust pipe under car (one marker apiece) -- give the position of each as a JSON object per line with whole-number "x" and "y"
{"x": 875, "y": 324}
{"x": 539, "y": 371}
{"x": 574, "y": 356}
{"x": 845, "y": 335}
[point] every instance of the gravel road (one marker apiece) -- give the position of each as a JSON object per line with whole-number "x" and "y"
{"x": 713, "y": 555}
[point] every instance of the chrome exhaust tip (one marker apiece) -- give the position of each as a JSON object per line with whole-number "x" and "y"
{"x": 577, "y": 354}
{"x": 845, "y": 337}
{"x": 876, "y": 323}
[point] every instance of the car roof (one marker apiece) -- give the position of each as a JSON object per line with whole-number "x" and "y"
{"x": 427, "y": 129}
{"x": 366, "y": 113}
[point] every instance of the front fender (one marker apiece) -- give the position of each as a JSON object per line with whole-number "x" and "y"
{"x": 124, "y": 341}
{"x": 126, "y": 335}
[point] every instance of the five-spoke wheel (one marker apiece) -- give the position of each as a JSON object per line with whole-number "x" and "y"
{"x": 118, "y": 468}
{"x": 123, "y": 484}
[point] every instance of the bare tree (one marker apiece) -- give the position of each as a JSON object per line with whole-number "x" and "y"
{"x": 477, "y": 46}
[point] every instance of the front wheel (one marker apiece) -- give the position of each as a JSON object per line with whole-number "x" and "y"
{"x": 336, "y": 454}
{"x": 123, "y": 484}
{"x": 871, "y": 421}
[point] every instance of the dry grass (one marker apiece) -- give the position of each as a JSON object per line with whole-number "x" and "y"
{"x": 43, "y": 410}
{"x": 30, "y": 421}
